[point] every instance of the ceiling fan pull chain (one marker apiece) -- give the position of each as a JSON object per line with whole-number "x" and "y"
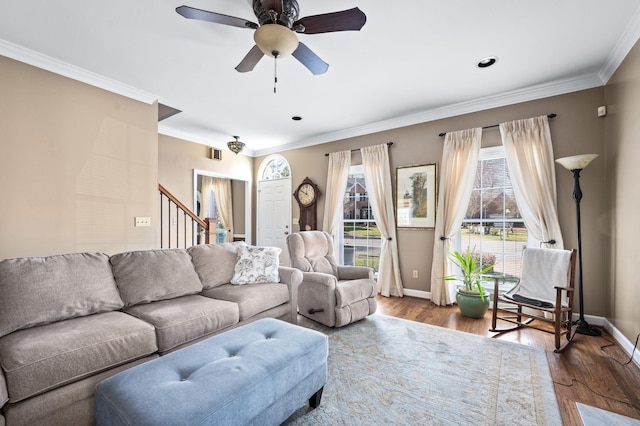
{"x": 275, "y": 70}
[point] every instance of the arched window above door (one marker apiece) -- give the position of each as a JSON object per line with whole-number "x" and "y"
{"x": 275, "y": 167}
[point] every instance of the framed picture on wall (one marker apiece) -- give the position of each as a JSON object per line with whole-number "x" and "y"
{"x": 416, "y": 196}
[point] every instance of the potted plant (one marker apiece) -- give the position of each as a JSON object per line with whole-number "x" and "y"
{"x": 472, "y": 298}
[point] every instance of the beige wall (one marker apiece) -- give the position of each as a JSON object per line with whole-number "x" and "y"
{"x": 178, "y": 158}
{"x": 77, "y": 164}
{"x": 238, "y": 188}
{"x": 576, "y": 130}
{"x": 622, "y": 145}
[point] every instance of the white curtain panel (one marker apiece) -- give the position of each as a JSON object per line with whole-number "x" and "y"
{"x": 222, "y": 192}
{"x": 205, "y": 196}
{"x": 337, "y": 176}
{"x": 529, "y": 152}
{"x": 377, "y": 177}
{"x": 457, "y": 174}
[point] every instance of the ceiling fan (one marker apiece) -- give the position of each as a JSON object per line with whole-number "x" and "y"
{"x": 275, "y": 36}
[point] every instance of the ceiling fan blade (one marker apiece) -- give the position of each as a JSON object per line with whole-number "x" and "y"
{"x": 310, "y": 59}
{"x": 217, "y": 18}
{"x": 347, "y": 20}
{"x": 249, "y": 62}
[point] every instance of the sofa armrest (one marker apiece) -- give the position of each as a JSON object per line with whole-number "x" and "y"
{"x": 321, "y": 279}
{"x": 317, "y": 298}
{"x": 354, "y": 272}
{"x": 292, "y": 278}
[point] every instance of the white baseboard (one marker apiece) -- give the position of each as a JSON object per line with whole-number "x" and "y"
{"x": 614, "y": 332}
{"x": 417, "y": 293}
{"x": 591, "y": 319}
{"x": 626, "y": 344}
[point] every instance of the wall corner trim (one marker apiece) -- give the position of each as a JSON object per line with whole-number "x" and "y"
{"x": 625, "y": 43}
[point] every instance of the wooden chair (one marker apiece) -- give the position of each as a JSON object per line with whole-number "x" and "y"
{"x": 544, "y": 293}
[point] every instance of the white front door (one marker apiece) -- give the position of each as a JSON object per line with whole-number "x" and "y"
{"x": 274, "y": 215}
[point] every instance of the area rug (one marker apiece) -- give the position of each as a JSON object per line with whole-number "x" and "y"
{"x": 388, "y": 371}
{"x": 592, "y": 416}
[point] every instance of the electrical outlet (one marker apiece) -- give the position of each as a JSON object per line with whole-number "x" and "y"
{"x": 415, "y": 273}
{"x": 142, "y": 221}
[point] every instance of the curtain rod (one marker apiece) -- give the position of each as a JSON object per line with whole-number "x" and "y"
{"x": 496, "y": 125}
{"x": 358, "y": 149}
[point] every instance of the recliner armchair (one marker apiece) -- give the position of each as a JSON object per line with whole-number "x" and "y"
{"x": 331, "y": 294}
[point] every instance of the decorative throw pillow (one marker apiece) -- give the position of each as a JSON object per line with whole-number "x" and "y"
{"x": 256, "y": 265}
{"x": 233, "y": 246}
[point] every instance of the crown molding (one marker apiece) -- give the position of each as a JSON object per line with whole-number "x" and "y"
{"x": 56, "y": 66}
{"x": 622, "y": 48}
{"x": 163, "y": 129}
{"x": 508, "y": 98}
{"x": 625, "y": 43}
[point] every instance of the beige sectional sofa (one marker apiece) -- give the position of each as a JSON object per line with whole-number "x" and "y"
{"x": 69, "y": 321}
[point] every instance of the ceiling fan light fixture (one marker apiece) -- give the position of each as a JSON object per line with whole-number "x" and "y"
{"x": 235, "y": 146}
{"x": 276, "y": 40}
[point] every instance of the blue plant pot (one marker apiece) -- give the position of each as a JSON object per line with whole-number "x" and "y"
{"x": 471, "y": 304}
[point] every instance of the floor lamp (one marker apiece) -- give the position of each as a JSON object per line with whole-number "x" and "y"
{"x": 575, "y": 164}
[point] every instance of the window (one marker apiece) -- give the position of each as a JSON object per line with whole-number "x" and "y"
{"x": 493, "y": 224}
{"x": 277, "y": 168}
{"x": 361, "y": 239}
{"x": 212, "y": 211}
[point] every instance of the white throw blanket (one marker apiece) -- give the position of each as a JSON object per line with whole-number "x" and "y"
{"x": 542, "y": 270}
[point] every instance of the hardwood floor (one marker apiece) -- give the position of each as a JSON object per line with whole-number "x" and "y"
{"x": 586, "y": 372}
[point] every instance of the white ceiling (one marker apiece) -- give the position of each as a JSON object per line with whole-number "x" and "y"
{"x": 413, "y": 61}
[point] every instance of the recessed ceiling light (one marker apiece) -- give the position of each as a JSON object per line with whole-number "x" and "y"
{"x": 296, "y": 118}
{"x": 487, "y": 62}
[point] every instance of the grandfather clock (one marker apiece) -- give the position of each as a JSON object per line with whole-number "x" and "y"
{"x": 307, "y": 195}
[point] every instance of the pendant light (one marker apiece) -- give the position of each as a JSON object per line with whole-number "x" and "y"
{"x": 235, "y": 146}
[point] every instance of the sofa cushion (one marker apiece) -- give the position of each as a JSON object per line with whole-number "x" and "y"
{"x": 251, "y": 298}
{"x": 256, "y": 265}
{"x": 214, "y": 263}
{"x": 46, "y": 289}
{"x": 147, "y": 276}
{"x": 181, "y": 320}
{"x": 42, "y": 358}
{"x": 69, "y": 405}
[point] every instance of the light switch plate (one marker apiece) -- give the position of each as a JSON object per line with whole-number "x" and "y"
{"x": 142, "y": 221}
{"x": 602, "y": 111}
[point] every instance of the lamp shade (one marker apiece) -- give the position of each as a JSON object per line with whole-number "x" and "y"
{"x": 275, "y": 39}
{"x": 576, "y": 162}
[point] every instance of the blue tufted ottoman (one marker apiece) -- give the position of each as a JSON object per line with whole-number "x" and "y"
{"x": 256, "y": 374}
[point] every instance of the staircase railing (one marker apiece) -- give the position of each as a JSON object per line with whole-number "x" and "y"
{"x": 179, "y": 226}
